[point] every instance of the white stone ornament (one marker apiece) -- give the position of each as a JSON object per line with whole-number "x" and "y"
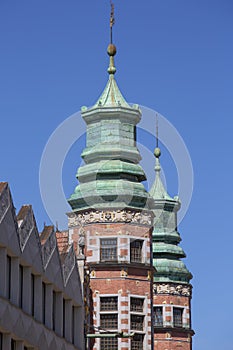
{"x": 173, "y": 289}
{"x": 121, "y": 216}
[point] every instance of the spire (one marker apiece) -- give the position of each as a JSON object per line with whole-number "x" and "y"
{"x": 111, "y": 175}
{"x": 111, "y": 47}
{"x": 158, "y": 190}
{"x": 167, "y": 254}
{"x": 111, "y": 96}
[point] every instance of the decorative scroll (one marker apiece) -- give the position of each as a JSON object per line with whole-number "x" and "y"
{"x": 174, "y": 289}
{"x": 4, "y": 203}
{"x": 69, "y": 264}
{"x": 48, "y": 249}
{"x": 113, "y": 216}
{"x": 25, "y": 229}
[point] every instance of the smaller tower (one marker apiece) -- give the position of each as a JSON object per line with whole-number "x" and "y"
{"x": 172, "y": 290}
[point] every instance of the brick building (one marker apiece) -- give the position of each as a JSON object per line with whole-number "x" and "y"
{"x": 172, "y": 290}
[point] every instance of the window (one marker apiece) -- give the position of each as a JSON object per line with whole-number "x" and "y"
{"x": 158, "y": 316}
{"x": 136, "y": 251}
{"x": 109, "y": 344}
{"x": 8, "y": 277}
{"x": 109, "y": 321}
{"x": 73, "y": 323}
{"x": 177, "y": 317}
{"x": 33, "y": 294}
{"x": 135, "y": 135}
{"x": 54, "y": 310}
{"x": 43, "y": 301}
{"x": 108, "y": 303}
{"x": 64, "y": 317}
{"x": 136, "y": 304}
{"x": 137, "y": 342}
{"x": 137, "y": 322}
{"x": 13, "y": 344}
{"x": 20, "y": 286}
{"x": 108, "y": 249}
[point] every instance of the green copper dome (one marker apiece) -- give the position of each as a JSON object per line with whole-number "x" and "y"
{"x": 165, "y": 237}
{"x": 111, "y": 175}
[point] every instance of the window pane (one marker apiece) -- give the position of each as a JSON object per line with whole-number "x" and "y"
{"x": 108, "y": 303}
{"x": 136, "y": 251}
{"x": 109, "y": 321}
{"x": 109, "y": 344}
{"x": 137, "y": 342}
{"x": 136, "y": 304}
{"x": 137, "y": 322}
{"x": 177, "y": 317}
{"x": 108, "y": 249}
{"x": 158, "y": 316}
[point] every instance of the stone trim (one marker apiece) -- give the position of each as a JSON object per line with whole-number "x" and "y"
{"x": 69, "y": 264}
{"x": 26, "y": 227}
{"x": 4, "y": 203}
{"x": 110, "y": 216}
{"x": 173, "y": 289}
{"x": 48, "y": 249}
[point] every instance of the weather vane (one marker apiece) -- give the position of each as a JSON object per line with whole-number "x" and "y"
{"x": 112, "y": 20}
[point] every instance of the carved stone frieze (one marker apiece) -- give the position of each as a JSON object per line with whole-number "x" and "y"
{"x": 48, "y": 249}
{"x": 173, "y": 288}
{"x": 110, "y": 216}
{"x": 25, "y": 229}
{"x": 4, "y": 203}
{"x": 69, "y": 264}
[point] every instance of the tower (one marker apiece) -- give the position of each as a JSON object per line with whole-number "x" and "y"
{"x": 135, "y": 286}
{"x": 112, "y": 221}
{"x": 172, "y": 290}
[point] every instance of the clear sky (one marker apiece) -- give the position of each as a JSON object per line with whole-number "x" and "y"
{"x": 175, "y": 57}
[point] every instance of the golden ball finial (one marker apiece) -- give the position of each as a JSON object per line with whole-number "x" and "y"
{"x": 111, "y": 50}
{"x": 157, "y": 152}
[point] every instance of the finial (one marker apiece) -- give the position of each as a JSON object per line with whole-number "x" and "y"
{"x": 157, "y": 151}
{"x": 111, "y": 47}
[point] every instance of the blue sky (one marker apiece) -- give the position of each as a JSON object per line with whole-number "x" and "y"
{"x": 174, "y": 57}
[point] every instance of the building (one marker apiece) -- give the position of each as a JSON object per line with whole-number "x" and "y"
{"x": 139, "y": 296}
{"x": 41, "y": 305}
{"x": 172, "y": 290}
